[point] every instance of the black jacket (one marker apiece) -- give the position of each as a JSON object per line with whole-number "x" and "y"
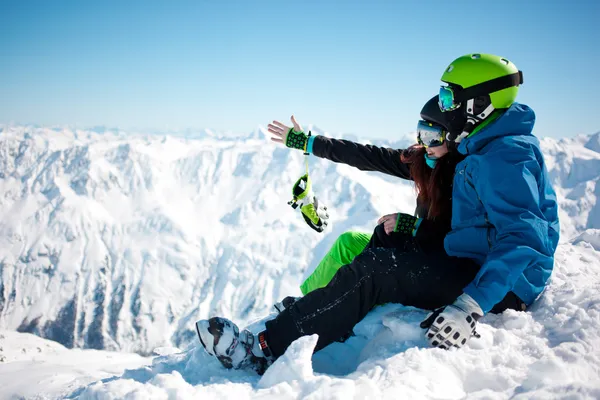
{"x": 431, "y": 232}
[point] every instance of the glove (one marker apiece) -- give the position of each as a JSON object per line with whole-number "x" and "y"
{"x": 315, "y": 215}
{"x": 407, "y": 224}
{"x": 296, "y": 139}
{"x": 453, "y": 325}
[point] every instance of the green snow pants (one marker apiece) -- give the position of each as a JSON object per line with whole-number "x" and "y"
{"x": 347, "y": 246}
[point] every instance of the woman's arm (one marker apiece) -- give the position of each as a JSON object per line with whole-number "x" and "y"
{"x": 363, "y": 157}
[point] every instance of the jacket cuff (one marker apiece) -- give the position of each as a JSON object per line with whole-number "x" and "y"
{"x": 416, "y": 228}
{"x": 309, "y": 145}
{"x": 479, "y": 297}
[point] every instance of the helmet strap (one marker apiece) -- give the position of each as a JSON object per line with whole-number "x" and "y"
{"x": 477, "y": 110}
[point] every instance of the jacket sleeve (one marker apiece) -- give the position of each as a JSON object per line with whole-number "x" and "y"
{"x": 508, "y": 188}
{"x": 363, "y": 157}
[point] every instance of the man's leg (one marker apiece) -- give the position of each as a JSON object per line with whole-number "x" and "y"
{"x": 376, "y": 276}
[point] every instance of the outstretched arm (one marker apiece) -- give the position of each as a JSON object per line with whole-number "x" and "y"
{"x": 363, "y": 157}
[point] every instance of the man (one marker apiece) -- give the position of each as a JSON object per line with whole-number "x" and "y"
{"x": 505, "y": 213}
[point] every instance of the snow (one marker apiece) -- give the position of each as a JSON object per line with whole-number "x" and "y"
{"x": 118, "y": 241}
{"x": 574, "y": 167}
{"x": 33, "y": 367}
{"x": 551, "y": 351}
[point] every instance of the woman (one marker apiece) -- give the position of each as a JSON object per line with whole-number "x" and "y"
{"x": 429, "y": 164}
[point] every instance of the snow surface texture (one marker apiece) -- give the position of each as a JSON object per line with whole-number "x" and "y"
{"x": 33, "y": 367}
{"x": 121, "y": 242}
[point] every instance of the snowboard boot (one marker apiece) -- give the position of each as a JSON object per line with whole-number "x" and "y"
{"x": 222, "y": 339}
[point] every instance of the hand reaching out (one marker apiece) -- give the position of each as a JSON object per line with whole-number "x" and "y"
{"x": 280, "y": 131}
{"x": 293, "y": 138}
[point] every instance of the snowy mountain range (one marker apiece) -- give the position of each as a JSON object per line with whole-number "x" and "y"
{"x": 119, "y": 241}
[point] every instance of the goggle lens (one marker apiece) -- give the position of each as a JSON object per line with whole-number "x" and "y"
{"x": 430, "y": 135}
{"x": 446, "y": 99}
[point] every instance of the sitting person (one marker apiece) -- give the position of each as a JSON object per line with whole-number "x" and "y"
{"x": 430, "y": 165}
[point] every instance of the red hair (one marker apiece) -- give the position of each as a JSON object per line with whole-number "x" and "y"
{"x": 433, "y": 186}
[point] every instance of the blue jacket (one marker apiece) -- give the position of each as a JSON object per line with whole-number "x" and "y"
{"x": 504, "y": 210}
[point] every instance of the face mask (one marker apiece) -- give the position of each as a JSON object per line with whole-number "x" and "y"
{"x": 430, "y": 161}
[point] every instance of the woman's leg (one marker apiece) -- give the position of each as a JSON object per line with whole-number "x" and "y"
{"x": 394, "y": 240}
{"x": 347, "y": 246}
{"x": 376, "y": 276}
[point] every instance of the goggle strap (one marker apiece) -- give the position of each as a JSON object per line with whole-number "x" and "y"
{"x": 491, "y": 86}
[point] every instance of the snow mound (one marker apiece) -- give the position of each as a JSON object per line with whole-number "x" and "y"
{"x": 552, "y": 350}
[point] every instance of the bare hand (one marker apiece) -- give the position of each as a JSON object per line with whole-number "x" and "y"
{"x": 389, "y": 222}
{"x": 280, "y": 131}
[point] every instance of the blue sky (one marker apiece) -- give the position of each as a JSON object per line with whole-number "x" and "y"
{"x": 363, "y": 67}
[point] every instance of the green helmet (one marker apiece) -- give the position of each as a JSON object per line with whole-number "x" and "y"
{"x": 475, "y": 69}
{"x": 478, "y": 84}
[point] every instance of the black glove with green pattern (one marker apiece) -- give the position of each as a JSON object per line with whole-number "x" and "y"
{"x": 296, "y": 139}
{"x": 406, "y": 224}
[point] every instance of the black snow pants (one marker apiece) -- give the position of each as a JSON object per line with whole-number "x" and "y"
{"x": 376, "y": 276}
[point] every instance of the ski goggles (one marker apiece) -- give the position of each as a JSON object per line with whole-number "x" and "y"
{"x": 446, "y": 99}
{"x": 452, "y": 96}
{"x": 430, "y": 134}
